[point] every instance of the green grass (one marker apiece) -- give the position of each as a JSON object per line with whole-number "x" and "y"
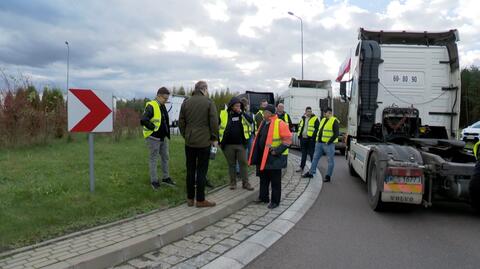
{"x": 44, "y": 190}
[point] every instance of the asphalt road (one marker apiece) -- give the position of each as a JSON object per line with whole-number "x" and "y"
{"x": 341, "y": 231}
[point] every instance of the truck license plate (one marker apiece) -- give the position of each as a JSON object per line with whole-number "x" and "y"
{"x": 403, "y": 180}
{"x": 407, "y": 198}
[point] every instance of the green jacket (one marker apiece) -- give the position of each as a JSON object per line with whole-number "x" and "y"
{"x": 198, "y": 121}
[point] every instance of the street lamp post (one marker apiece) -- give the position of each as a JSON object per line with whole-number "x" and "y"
{"x": 301, "y": 29}
{"x": 68, "y": 61}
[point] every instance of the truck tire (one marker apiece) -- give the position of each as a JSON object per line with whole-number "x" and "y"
{"x": 374, "y": 183}
{"x": 474, "y": 189}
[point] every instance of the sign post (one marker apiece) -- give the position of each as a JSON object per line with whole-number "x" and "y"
{"x": 90, "y": 112}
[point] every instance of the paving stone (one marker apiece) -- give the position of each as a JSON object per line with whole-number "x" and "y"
{"x": 124, "y": 266}
{"x": 198, "y": 246}
{"x": 188, "y": 252}
{"x": 243, "y": 234}
{"x": 194, "y": 238}
{"x": 230, "y": 220}
{"x": 219, "y": 249}
{"x": 233, "y": 228}
{"x": 182, "y": 243}
{"x": 229, "y": 242}
{"x": 184, "y": 265}
{"x": 223, "y": 224}
{"x": 171, "y": 250}
{"x": 174, "y": 259}
{"x": 140, "y": 262}
{"x": 255, "y": 227}
{"x": 155, "y": 256}
{"x": 159, "y": 265}
{"x": 202, "y": 259}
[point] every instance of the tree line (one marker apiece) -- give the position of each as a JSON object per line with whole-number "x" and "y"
{"x": 29, "y": 116}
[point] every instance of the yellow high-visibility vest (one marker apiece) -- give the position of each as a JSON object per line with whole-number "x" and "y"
{"x": 327, "y": 129}
{"x": 476, "y": 153}
{"x": 276, "y": 140}
{"x": 223, "y": 125}
{"x": 156, "y": 119}
{"x": 285, "y": 117}
{"x": 311, "y": 126}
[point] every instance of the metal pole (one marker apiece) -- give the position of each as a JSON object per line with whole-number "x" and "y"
{"x": 92, "y": 176}
{"x": 301, "y": 28}
{"x": 68, "y": 61}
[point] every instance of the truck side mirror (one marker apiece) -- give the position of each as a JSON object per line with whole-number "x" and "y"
{"x": 343, "y": 90}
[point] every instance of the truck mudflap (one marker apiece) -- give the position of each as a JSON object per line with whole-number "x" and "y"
{"x": 402, "y": 174}
{"x": 403, "y": 184}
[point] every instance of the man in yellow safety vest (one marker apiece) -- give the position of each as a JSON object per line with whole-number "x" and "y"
{"x": 156, "y": 130}
{"x": 326, "y": 140}
{"x": 307, "y": 133}
{"x": 281, "y": 114}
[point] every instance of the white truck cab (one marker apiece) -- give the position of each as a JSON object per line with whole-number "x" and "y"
{"x": 404, "y": 110}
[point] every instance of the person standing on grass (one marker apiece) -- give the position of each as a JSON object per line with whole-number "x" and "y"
{"x": 198, "y": 124}
{"x": 156, "y": 131}
{"x": 307, "y": 132}
{"x": 270, "y": 153}
{"x": 234, "y": 133}
{"x": 326, "y": 140}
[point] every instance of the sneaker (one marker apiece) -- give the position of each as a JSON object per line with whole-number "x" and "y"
{"x": 233, "y": 185}
{"x": 272, "y": 205}
{"x": 247, "y": 186}
{"x": 205, "y": 203}
{"x": 327, "y": 179}
{"x": 299, "y": 170}
{"x": 307, "y": 175}
{"x": 207, "y": 184}
{"x": 169, "y": 181}
{"x": 190, "y": 202}
{"x": 155, "y": 185}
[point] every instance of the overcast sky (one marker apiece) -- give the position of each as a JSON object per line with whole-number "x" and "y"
{"x": 133, "y": 47}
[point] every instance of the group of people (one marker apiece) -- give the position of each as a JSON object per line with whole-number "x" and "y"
{"x": 262, "y": 140}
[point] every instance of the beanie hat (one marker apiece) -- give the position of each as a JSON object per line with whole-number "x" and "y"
{"x": 270, "y": 108}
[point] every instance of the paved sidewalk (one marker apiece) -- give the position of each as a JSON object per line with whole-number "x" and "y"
{"x": 238, "y": 238}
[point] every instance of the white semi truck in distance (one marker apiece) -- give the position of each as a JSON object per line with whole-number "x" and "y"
{"x": 404, "y": 109}
{"x": 316, "y": 94}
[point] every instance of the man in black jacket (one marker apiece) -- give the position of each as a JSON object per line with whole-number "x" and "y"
{"x": 156, "y": 130}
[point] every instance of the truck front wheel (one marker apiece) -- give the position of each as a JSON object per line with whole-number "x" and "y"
{"x": 374, "y": 183}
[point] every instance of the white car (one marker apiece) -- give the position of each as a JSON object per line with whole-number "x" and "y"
{"x": 471, "y": 133}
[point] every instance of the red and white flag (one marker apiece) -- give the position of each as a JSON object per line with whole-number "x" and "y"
{"x": 344, "y": 68}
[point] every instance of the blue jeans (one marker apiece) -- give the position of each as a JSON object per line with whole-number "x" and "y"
{"x": 320, "y": 149}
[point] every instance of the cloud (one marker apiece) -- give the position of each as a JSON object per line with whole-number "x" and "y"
{"x": 133, "y": 47}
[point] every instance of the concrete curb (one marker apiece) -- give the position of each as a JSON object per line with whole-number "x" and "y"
{"x": 247, "y": 251}
{"x": 131, "y": 248}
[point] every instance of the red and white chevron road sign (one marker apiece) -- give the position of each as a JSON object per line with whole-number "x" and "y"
{"x": 89, "y": 111}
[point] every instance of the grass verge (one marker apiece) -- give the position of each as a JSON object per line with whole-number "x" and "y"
{"x": 44, "y": 190}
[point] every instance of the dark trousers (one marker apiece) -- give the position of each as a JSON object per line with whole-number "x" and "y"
{"x": 307, "y": 145}
{"x": 197, "y": 168}
{"x": 273, "y": 177}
